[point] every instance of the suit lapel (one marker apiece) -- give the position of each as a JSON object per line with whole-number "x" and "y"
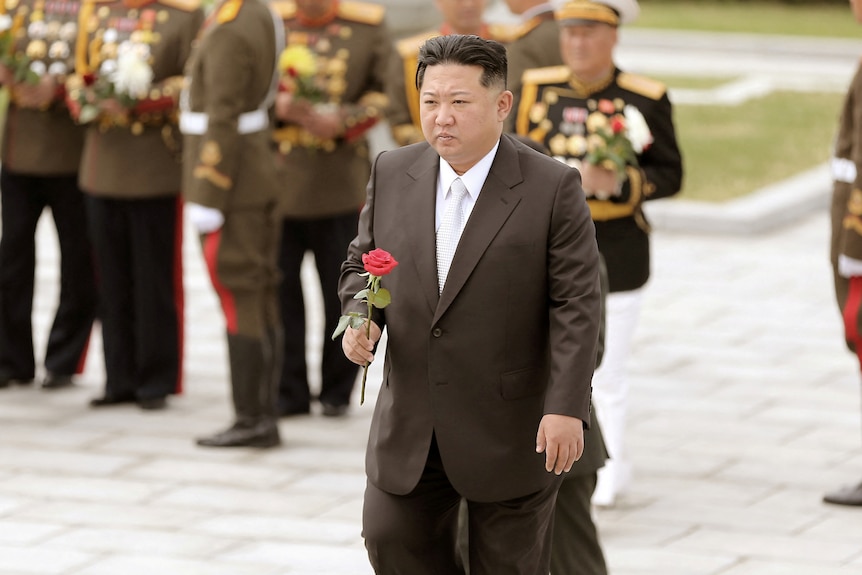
{"x": 491, "y": 211}
{"x": 421, "y": 204}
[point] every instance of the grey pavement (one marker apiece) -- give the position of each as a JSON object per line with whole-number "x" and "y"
{"x": 745, "y": 408}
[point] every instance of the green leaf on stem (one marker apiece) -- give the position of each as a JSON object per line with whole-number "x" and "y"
{"x": 382, "y": 298}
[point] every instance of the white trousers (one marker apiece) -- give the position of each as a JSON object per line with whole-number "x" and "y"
{"x": 610, "y": 392}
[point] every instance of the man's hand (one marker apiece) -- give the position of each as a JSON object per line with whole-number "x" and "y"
{"x": 599, "y": 182}
{"x": 324, "y": 125}
{"x": 357, "y": 346}
{"x": 290, "y": 109}
{"x": 36, "y": 96}
{"x": 561, "y": 439}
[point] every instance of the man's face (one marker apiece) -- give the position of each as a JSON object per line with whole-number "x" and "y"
{"x": 461, "y": 119}
{"x": 518, "y": 6}
{"x": 588, "y": 49}
{"x": 314, "y": 8}
{"x": 856, "y": 6}
{"x": 464, "y": 16}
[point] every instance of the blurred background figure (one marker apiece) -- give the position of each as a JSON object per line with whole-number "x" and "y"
{"x": 582, "y": 111}
{"x": 846, "y": 247}
{"x": 229, "y": 182}
{"x": 41, "y": 155}
{"x": 333, "y": 93}
{"x": 535, "y": 43}
{"x": 459, "y": 17}
{"x": 126, "y": 89}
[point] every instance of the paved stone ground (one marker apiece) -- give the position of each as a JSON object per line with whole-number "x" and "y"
{"x": 745, "y": 409}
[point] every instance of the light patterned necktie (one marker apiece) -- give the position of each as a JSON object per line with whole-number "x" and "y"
{"x": 449, "y": 231}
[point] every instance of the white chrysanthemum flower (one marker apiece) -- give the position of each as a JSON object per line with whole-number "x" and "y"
{"x": 38, "y": 67}
{"x": 637, "y": 130}
{"x": 133, "y": 75}
{"x": 5, "y": 22}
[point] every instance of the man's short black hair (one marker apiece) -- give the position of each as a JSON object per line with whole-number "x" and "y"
{"x": 465, "y": 50}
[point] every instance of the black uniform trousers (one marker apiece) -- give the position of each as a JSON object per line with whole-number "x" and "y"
{"x": 139, "y": 267}
{"x": 24, "y": 198}
{"x": 327, "y": 239}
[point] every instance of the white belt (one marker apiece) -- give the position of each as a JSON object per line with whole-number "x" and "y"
{"x": 196, "y": 123}
{"x": 843, "y": 170}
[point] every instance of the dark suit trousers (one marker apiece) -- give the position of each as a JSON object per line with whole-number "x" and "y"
{"x": 327, "y": 239}
{"x": 576, "y": 548}
{"x": 138, "y": 246}
{"x": 24, "y": 198}
{"x": 415, "y": 534}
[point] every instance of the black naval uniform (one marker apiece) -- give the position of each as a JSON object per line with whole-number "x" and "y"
{"x": 553, "y": 108}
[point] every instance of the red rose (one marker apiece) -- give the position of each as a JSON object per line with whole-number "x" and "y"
{"x": 89, "y": 78}
{"x": 292, "y": 72}
{"x": 606, "y": 106}
{"x": 378, "y": 262}
{"x": 618, "y": 125}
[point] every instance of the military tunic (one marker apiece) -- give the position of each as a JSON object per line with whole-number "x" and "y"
{"x": 228, "y": 166}
{"x": 131, "y": 172}
{"x": 536, "y": 45}
{"x": 403, "y": 113}
{"x": 553, "y": 109}
{"x": 324, "y": 183}
{"x": 846, "y": 212}
{"x": 40, "y": 157}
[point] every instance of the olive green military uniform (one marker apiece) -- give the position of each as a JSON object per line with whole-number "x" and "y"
{"x": 323, "y": 185}
{"x": 41, "y": 154}
{"x": 403, "y": 113}
{"x": 131, "y": 172}
{"x": 228, "y": 166}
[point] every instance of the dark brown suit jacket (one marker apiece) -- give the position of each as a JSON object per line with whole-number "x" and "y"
{"x": 511, "y": 338}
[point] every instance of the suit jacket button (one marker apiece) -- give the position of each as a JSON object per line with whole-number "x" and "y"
{"x": 437, "y": 332}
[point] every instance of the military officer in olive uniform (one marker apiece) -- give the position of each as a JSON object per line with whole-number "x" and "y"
{"x": 846, "y": 244}
{"x": 41, "y": 154}
{"x": 459, "y": 17}
{"x": 130, "y": 57}
{"x": 535, "y": 43}
{"x": 562, "y": 106}
{"x": 324, "y": 166}
{"x": 230, "y": 186}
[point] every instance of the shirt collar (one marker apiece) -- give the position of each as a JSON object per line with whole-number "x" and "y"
{"x": 474, "y": 178}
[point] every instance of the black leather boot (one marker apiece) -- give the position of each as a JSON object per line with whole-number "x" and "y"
{"x": 251, "y": 372}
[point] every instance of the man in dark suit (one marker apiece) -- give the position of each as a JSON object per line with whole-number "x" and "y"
{"x": 487, "y": 373}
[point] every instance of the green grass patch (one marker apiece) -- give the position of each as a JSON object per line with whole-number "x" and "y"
{"x": 835, "y": 21}
{"x": 730, "y": 151}
{"x": 692, "y": 82}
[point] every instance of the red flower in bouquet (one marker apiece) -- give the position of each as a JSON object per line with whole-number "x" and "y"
{"x": 616, "y": 137}
{"x": 377, "y": 263}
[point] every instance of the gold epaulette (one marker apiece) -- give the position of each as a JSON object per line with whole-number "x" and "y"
{"x": 184, "y": 5}
{"x": 228, "y": 11}
{"x": 642, "y": 85}
{"x": 528, "y": 27}
{"x": 504, "y": 33}
{"x": 547, "y": 75}
{"x": 285, "y": 9}
{"x": 410, "y": 46}
{"x": 362, "y": 12}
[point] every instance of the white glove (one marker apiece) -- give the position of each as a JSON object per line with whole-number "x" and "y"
{"x": 206, "y": 220}
{"x": 849, "y": 267}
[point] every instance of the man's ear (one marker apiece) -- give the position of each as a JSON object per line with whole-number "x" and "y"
{"x": 504, "y": 104}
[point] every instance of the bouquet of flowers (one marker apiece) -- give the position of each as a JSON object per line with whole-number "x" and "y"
{"x": 377, "y": 263}
{"x": 22, "y": 67}
{"x": 299, "y": 73}
{"x": 126, "y": 80}
{"x": 616, "y": 138}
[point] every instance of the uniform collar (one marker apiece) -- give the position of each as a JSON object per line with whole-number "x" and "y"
{"x": 584, "y": 89}
{"x": 309, "y": 22}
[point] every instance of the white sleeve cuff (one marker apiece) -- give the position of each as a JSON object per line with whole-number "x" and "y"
{"x": 849, "y": 267}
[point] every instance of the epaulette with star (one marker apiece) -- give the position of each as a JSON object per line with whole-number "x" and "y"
{"x": 504, "y": 33}
{"x": 546, "y": 75}
{"x": 184, "y": 5}
{"x": 410, "y": 46}
{"x": 652, "y": 89}
{"x": 227, "y": 12}
{"x": 362, "y": 12}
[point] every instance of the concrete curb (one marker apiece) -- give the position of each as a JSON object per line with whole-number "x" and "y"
{"x": 771, "y": 207}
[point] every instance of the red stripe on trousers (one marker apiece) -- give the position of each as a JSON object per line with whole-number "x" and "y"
{"x": 851, "y": 316}
{"x": 228, "y": 305}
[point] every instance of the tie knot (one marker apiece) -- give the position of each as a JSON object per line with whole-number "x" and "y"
{"x": 458, "y": 190}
